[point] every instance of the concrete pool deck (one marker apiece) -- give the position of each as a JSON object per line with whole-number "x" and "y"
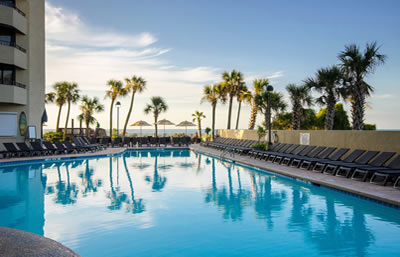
{"x": 385, "y": 194}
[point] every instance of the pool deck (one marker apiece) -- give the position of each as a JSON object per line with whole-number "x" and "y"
{"x": 385, "y": 194}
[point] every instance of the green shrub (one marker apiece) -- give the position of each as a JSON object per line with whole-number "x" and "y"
{"x": 369, "y": 126}
{"x": 262, "y": 146}
{"x": 53, "y": 136}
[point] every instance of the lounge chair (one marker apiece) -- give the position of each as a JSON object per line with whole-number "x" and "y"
{"x": 333, "y": 165}
{"x": 105, "y": 142}
{"x": 380, "y": 175}
{"x": 49, "y": 146}
{"x": 347, "y": 167}
{"x": 318, "y": 164}
{"x": 263, "y": 154}
{"x": 117, "y": 142}
{"x": 153, "y": 141}
{"x": 126, "y": 142}
{"x": 294, "y": 151}
{"x": 306, "y": 161}
{"x": 77, "y": 148}
{"x": 24, "y": 147}
{"x": 295, "y": 162}
{"x": 176, "y": 141}
{"x": 79, "y": 143}
{"x": 13, "y": 151}
{"x": 37, "y": 146}
{"x": 270, "y": 155}
{"x": 348, "y": 170}
{"x": 62, "y": 148}
{"x": 287, "y": 159}
{"x": 162, "y": 141}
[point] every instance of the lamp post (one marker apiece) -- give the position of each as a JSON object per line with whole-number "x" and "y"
{"x": 118, "y": 105}
{"x": 269, "y": 90}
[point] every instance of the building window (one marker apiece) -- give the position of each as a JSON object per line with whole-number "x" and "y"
{"x": 7, "y": 36}
{"x": 10, "y": 3}
{"x": 7, "y": 75}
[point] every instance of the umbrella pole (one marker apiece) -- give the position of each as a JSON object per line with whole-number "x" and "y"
{"x": 186, "y": 131}
{"x": 140, "y": 131}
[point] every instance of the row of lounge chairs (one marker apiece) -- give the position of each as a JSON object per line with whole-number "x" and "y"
{"x": 144, "y": 141}
{"x": 377, "y": 167}
{"x": 78, "y": 145}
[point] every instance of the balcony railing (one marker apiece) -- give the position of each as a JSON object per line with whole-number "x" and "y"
{"x": 12, "y": 44}
{"x": 14, "y": 84}
{"x": 12, "y": 6}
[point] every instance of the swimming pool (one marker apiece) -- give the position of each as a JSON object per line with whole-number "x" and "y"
{"x": 182, "y": 203}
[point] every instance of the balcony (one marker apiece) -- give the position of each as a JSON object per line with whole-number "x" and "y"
{"x": 13, "y": 94}
{"x": 12, "y": 16}
{"x": 12, "y": 54}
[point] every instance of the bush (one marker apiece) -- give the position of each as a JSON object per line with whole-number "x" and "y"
{"x": 261, "y": 146}
{"x": 369, "y": 126}
{"x": 53, "y": 136}
{"x": 182, "y": 134}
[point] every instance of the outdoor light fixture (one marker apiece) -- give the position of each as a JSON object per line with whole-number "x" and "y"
{"x": 269, "y": 90}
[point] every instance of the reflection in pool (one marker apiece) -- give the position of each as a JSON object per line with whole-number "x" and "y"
{"x": 181, "y": 203}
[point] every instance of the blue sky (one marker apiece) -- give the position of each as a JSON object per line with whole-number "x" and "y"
{"x": 179, "y": 46}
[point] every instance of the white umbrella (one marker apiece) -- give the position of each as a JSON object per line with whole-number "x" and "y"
{"x": 165, "y": 122}
{"x": 186, "y": 124}
{"x": 140, "y": 123}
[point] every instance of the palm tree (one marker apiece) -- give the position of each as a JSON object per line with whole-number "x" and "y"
{"x": 71, "y": 94}
{"x": 58, "y": 98}
{"x": 259, "y": 87}
{"x": 277, "y": 104}
{"x": 157, "y": 106}
{"x": 299, "y": 96}
{"x": 243, "y": 95}
{"x": 356, "y": 66}
{"x": 197, "y": 116}
{"x": 233, "y": 81}
{"x": 116, "y": 90}
{"x": 328, "y": 82}
{"x": 89, "y": 106}
{"x": 49, "y": 98}
{"x": 135, "y": 84}
{"x": 212, "y": 94}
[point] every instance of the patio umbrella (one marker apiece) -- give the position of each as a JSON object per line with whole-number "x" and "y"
{"x": 186, "y": 124}
{"x": 141, "y": 123}
{"x": 165, "y": 122}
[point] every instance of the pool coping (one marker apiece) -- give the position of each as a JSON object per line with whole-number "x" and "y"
{"x": 384, "y": 195}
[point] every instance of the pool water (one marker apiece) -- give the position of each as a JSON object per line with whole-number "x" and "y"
{"x": 181, "y": 203}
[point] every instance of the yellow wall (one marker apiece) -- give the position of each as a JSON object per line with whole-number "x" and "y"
{"x": 368, "y": 140}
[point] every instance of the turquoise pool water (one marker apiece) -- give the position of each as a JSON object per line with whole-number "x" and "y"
{"x": 180, "y": 203}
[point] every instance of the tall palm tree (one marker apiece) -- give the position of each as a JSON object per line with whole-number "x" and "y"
{"x": 71, "y": 94}
{"x": 197, "y": 116}
{"x": 329, "y": 83}
{"x": 89, "y": 106}
{"x": 277, "y": 104}
{"x": 357, "y": 65}
{"x": 299, "y": 96}
{"x": 116, "y": 90}
{"x": 242, "y": 95}
{"x": 259, "y": 86}
{"x": 57, "y": 97}
{"x": 134, "y": 84}
{"x": 157, "y": 106}
{"x": 212, "y": 94}
{"x": 232, "y": 80}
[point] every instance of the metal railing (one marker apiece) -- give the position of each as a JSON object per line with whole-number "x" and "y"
{"x": 14, "y": 84}
{"x": 12, "y": 44}
{"x": 12, "y": 6}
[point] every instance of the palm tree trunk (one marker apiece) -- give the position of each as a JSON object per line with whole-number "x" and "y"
{"x": 358, "y": 108}
{"x": 330, "y": 115}
{"x": 66, "y": 120}
{"x": 253, "y": 115}
{"x": 155, "y": 125}
{"x": 199, "y": 126}
{"x": 58, "y": 118}
{"x": 238, "y": 114}
{"x": 296, "y": 117}
{"x": 129, "y": 113}
{"x": 230, "y": 111}
{"x": 214, "y": 107}
{"x": 111, "y": 116}
{"x": 87, "y": 127}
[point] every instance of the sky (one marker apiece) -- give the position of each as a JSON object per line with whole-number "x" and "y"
{"x": 178, "y": 46}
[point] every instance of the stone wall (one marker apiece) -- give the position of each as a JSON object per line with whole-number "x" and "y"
{"x": 368, "y": 140}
